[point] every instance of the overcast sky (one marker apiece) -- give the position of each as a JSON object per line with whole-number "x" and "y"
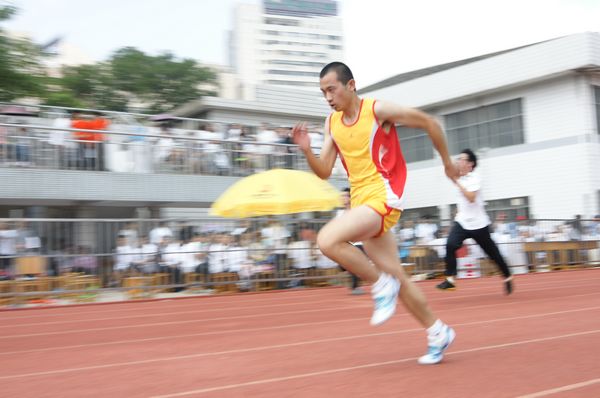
{"x": 382, "y": 37}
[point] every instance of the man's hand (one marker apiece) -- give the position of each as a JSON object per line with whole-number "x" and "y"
{"x": 452, "y": 172}
{"x": 300, "y": 136}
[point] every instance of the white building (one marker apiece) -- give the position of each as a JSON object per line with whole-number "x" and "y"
{"x": 285, "y": 43}
{"x": 533, "y": 115}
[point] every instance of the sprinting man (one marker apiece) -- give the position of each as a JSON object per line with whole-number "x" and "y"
{"x": 471, "y": 221}
{"x": 362, "y": 131}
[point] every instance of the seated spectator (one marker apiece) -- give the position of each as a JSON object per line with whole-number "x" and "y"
{"x": 149, "y": 256}
{"x": 303, "y": 255}
{"x": 130, "y": 233}
{"x": 217, "y": 258}
{"x": 167, "y": 149}
{"x": 124, "y": 258}
{"x": 171, "y": 259}
{"x": 158, "y": 233}
{"x": 239, "y": 262}
{"x": 215, "y": 160}
{"x": 85, "y": 262}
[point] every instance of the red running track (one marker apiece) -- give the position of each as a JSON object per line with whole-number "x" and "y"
{"x": 541, "y": 341}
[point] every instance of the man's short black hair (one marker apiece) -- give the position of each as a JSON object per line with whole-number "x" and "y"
{"x": 344, "y": 74}
{"x": 471, "y": 155}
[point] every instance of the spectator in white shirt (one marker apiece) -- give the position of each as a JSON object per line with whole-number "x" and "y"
{"x": 124, "y": 257}
{"x": 8, "y": 247}
{"x": 159, "y": 233}
{"x": 471, "y": 221}
{"x": 148, "y": 254}
{"x": 217, "y": 258}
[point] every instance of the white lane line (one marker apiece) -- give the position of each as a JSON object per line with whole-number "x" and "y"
{"x": 300, "y": 343}
{"x": 561, "y": 389}
{"x": 228, "y": 318}
{"x": 265, "y": 328}
{"x": 446, "y": 298}
{"x": 161, "y": 314}
{"x": 369, "y": 365}
{"x": 285, "y": 295}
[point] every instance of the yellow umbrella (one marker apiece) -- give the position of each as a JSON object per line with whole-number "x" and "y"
{"x": 274, "y": 192}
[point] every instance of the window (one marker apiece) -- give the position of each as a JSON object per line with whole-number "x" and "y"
{"x": 292, "y": 83}
{"x": 597, "y": 101}
{"x": 415, "y": 144}
{"x": 291, "y": 73}
{"x": 296, "y": 63}
{"x": 489, "y": 126}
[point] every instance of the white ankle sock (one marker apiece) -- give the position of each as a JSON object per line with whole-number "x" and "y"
{"x": 450, "y": 279}
{"x": 508, "y": 279}
{"x": 436, "y": 328}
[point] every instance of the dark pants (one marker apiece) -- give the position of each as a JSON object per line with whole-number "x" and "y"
{"x": 482, "y": 236}
{"x": 355, "y": 279}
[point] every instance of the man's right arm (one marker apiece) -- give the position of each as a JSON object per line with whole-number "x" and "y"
{"x": 322, "y": 165}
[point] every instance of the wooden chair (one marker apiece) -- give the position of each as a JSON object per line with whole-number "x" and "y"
{"x": 225, "y": 282}
{"x": 328, "y": 275}
{"x": 488, "y": 267}
{"x": 261, "y": 283}
{"x": 39, "y": 285}
{"x": 418, "y": 255}
{"x": 196, "y": 280}
{"x": 160, "y": 279}
{"x": 31, "y": 265}
{"x": 74, "y": 284}
{"x": 6, "y": 287}
{"x": 133, "y": 282}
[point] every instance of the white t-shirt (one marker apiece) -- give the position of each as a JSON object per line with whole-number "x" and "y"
{"x": 471, "y": 215}
{"x": 157, "y": 234}
{"x": 301, "y": 253}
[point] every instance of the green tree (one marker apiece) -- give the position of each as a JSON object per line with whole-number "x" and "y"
{"x": 92, "y": 85}
{"x": 162, "y": 81}
{"x": 21, "y": 72}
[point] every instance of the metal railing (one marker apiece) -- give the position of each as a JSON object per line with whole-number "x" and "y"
{"x": 83, "y": 257}
{"x": 144, "y": 153}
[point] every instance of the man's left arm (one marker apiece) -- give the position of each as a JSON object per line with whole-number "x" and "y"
{"x": 414, "y": 118}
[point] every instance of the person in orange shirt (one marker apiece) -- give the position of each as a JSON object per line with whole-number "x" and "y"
{"x": 86, "y": 150}
{"x": 100, "y": 123}
{"x": 362, "y": 132}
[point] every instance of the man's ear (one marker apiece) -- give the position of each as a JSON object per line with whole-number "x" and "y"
{"x": 351, "y": 85}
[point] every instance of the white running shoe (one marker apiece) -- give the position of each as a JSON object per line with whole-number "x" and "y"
{"x": 438, "y": 344}
{"x": 386, "y": 299}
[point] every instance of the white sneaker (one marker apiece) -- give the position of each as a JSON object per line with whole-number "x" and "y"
{"x": 438, "y": 344}
{"x": 386, "y": 299}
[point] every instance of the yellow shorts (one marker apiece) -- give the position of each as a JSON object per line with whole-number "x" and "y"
{"x": 389, "y": 215}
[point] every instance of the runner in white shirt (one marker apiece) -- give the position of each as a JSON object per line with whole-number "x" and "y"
{"x": 471, "y": 222}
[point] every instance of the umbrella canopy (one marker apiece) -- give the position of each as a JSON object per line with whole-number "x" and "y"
{"x": 275, "y": 192}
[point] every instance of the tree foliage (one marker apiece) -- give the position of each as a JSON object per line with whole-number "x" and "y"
{"x": 21, "y": 71}
{"x": 159, "y": 82}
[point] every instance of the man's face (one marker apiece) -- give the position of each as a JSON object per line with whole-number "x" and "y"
{"x": 338, "y": 95}
{"x": 464, "y": 165}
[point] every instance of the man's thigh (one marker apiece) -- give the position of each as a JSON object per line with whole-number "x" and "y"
{"x": 360, "y": 223}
